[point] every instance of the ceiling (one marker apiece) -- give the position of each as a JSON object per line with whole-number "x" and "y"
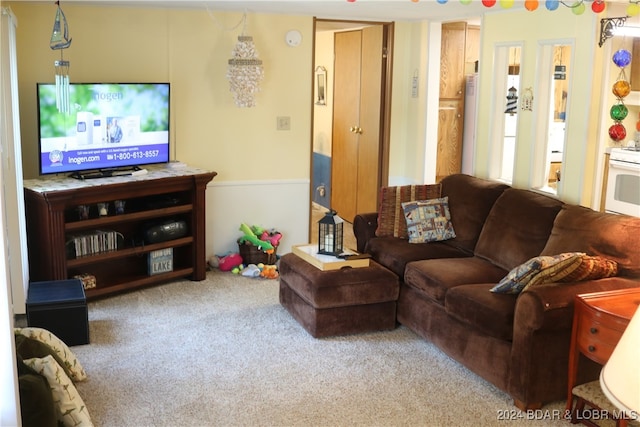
{"x": 361, "y": 10}
{"x": 369, "y": 10}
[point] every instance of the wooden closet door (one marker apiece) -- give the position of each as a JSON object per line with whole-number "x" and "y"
{"x": 356, "y": 121}
{"x": 370, "y": 141}
{"x": 346, "y": 116}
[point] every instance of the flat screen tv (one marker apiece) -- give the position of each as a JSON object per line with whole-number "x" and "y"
{"x": 111, "y": 127}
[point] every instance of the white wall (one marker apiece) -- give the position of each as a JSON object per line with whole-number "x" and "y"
{"x": 279, "y": 204}
{"x": 9, "y": 403}
{"x": 531, "y": 29}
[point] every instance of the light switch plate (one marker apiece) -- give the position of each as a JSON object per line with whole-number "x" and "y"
{"x": 283, "y": 123}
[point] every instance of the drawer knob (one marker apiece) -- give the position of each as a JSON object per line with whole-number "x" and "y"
{"x": 593, "y": 330}
{"x": 592, "y": 348}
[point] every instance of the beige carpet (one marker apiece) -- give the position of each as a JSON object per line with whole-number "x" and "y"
{"x": 223, "y": 352}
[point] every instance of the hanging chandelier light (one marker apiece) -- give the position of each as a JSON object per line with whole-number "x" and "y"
{"x": 245, "y": 71}
{"x": 60, "y": 40}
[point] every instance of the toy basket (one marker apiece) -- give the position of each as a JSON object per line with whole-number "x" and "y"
{"x": 252, "y": 255}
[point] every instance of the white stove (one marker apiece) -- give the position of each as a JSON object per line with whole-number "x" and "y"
{"x": 623, "y": 181}
{"x": 626, "y": 154}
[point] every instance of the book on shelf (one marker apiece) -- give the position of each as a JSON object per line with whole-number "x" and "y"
{"x": 93, "y": 242}
{"x": 160, "y": 261}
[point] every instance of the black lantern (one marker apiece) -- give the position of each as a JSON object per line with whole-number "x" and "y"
{"x": 330, "y": 234}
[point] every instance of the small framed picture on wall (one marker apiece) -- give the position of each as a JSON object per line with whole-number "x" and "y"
{"x": 321, "y": 85}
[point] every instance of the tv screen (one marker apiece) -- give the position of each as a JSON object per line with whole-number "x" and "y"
{"x": 110, "y": 126}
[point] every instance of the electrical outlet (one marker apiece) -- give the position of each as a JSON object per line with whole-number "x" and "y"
{"x": 284, "y": 123}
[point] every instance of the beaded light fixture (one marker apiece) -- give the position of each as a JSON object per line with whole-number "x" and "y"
{"x": 60, "y": 40}
{"x": 578, "y": 7}
{"x": 621, "y": 88}
{"x": 245, "y": 71}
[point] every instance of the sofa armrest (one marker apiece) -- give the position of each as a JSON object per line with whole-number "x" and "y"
{"x": 542, "y": 336}
{"x": 364, "y": 228}
{"x": 550, "y": 306}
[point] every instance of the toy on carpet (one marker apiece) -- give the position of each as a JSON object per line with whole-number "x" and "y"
{"x": 250, "y": 270}
{"x": 259, "y": 270}
{"x": 269, "y": 271}
{"x": 225, "y": 262}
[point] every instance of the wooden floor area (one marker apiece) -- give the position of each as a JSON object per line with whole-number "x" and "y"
{"x": 318, "y": 212}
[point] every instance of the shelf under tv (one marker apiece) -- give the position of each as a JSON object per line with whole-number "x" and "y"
{"x": 52, "y": 216}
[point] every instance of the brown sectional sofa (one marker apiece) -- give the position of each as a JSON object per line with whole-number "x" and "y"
{"x": 519, "y": 343}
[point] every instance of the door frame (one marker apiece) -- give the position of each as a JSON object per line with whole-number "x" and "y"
{"x": 385, "y": 108}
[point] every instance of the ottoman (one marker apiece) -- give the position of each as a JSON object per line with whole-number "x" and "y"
{"x": 60, "y": 307}
{"x": 338, "y": 302}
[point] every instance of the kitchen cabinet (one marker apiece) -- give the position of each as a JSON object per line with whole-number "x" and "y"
{"x": 454, "y": 55}
{"x": 634, "y": 69}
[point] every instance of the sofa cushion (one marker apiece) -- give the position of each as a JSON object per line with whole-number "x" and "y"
{"x": 482, "y": 310}
{"x": 394, "y": 253}
{"x": 435, "y": 277}
{"x": 541, "y": 269}
{"x": 580, "y": 229}
{"x": 428, "y": 220}
{"x": 470, "y": 200}
{"x": 391, "y": 222}
{"x": 517, "y": 228}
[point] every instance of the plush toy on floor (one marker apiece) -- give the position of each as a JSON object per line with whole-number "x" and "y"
{"x": 226, "y": 262}
{"x": 269, "y": 271}
{"x": 259, "y": 270}
{"x": 251, "y": 236}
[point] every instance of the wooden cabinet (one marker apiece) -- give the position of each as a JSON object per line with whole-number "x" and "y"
{"x": 634, "y": 69}
{"x": 163, "y": 196}
{"x": 450, "y": 128}
{"x": 452, "y": 60}
{"x": 453, "y": 55}
{"x": 599, "y": 321}
{"x": 472, "y": 49}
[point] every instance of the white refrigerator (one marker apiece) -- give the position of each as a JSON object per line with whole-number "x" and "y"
{"x": 469, "y": 128}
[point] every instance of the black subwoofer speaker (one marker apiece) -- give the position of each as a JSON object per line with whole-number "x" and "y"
{"x": 167, "y": 230}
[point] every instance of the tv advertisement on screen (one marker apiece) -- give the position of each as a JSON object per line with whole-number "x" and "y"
{"x": 110, "y": 126}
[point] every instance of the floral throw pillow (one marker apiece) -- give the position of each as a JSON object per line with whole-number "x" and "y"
{"x": 428, "y": 220}
{"x": 541, "y": 269}
{"x": 391, "y": 222}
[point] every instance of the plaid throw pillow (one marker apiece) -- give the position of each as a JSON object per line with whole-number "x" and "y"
{"x": 391, "y": 221}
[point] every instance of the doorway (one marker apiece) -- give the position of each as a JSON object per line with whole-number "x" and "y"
{"x": 351, "y": 117}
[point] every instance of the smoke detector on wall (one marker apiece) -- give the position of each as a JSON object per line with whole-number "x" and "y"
{"x": 293, "y": 38}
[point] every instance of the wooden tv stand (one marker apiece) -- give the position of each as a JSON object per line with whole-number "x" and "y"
{"x": 163, "y": 195}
